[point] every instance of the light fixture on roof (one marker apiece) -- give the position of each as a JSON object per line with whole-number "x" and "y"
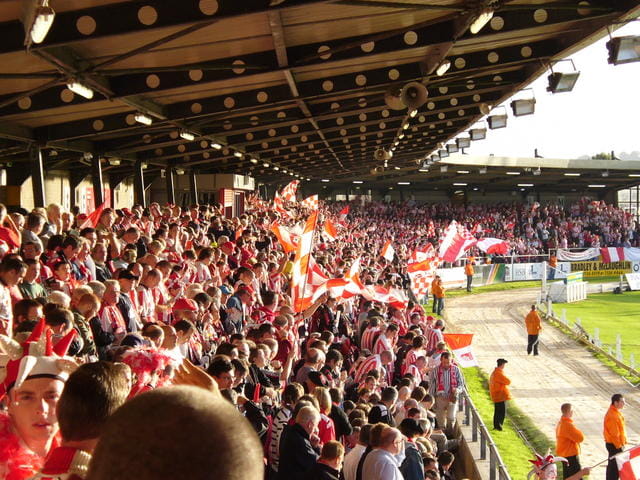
{"x": 401, "y": 136}
{"x": 482, "y": 171}
{"x": 404, "y": 183}
{"x": 276, "y": 168}
{"x": 605, "y": 174}
{"x": 571, "y": 174}
{"x": 478, "y": 133}
{"x": 463, "y": 142}
{"x": 265, "y": 165}
{"x": 405, "y": 126}
{"x": 560, "y": 82}
{"x": 443, "y": 168}
{"x": 253, "y": 160}
{"x": 325, "y": 180}
{"x": 179, "y": 171}
{"x": 624, "y": 49}
{"x": 358, "y": 181}
{"x": 114, "y": 161}
{"x": 525, "y": 184}
{"x": 237, "y": 154}
{"x": 524, "y": 106}
{"x": 217, "y": 146}
{"x": 597, "y": 185}
{"x": 396, "y": 168}
{"x": 459, "y": 184}
{"x": 498, "y": 120}
{"x": 443, "y": 153}
{"x": 443, "y": 68}
{"x": 484, "y": 16}
{"x": 143, "y": 119}
{"x": 537, "y": 171}
{"x": 434, "y": 158}
{"x": 187, "y": 135}
{"x": 80, "y": 89}
{"x": 452, "y": 147}
{"x": 42, "y": 21}
{"x": 413, "y": 113}
{"x": 513, "y": 173}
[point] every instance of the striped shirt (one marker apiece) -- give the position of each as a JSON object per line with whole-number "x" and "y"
{"x": 446, "y": 380}
{"x": 382, "y": 344}
{"x": 280, "y": 421}
{"x": 368, "y": 337}
{"x": 415, "y": 371}
{"x": 370, "y": 363}
{"x": 434, "y": 336}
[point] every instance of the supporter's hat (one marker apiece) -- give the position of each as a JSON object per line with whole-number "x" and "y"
{"x": 228, "y": 245}
{"x": 411, "y": 426}
{"x": 185, "y": 304}
{"x": 226, "y": 289}
{"x": 318, "y": 379}
{"x": 127, "y": 275}
{"x": 37, "y": 357}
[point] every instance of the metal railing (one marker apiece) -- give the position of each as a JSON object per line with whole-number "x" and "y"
{"x": 479, "y": 432}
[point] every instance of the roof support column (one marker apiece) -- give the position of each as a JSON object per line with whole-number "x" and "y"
{"x": 171, "y": 194}
{"x": 193, "y": 187}
{"x": 37, "y": 176}
{"x": 138, "y": 184}
{"x": 96, "y": 178}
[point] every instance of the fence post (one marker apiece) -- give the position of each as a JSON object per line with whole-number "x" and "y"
{"x": 618, "y": 347}
{"x": 596, "y": 336}
{"x": 483, "y": 446}
{"x": 492, "y": 465}
{"x": 474, "y": 427}
{"x": 549, "y": 307}
{"x": 578, "y": 322}
{"x": 632, "y": 361}
{"x": 563, "y": 317}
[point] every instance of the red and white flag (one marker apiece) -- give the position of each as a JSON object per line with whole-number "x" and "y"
{"x": 285, "y": 236}
{"x": 301, "y": 292}
{"x": 278, "y": 205}
{"x": 329, "y": 230}
{"x": 629, "y": 464}
{"x": 460, "y": 345}
{"x": 289, "y": 192}
{"x": 619, "y": 254}
{"x": 456, "y": 240}
{"x": 493, "y": 245}
{"x": 310, "y": 202}
{"x": 388, "y": 252}
{"x": 343, "y": 214}
{"x": 93, "y": 217}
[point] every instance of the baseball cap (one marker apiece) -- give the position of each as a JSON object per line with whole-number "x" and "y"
{"x": 185, "y": 304}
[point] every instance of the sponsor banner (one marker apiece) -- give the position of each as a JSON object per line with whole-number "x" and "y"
{"x": 602, "y": 269}
{"x": 519, "y": 272}
{"x": 452, "y": 277}
{"x": 568, "y": 256}
{"x": 633, "y": 279}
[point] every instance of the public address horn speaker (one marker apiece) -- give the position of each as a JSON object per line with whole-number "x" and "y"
{"x": 392, "y": 98}
{"x": 414, "y": 95}
{"x": 381, "y": 154}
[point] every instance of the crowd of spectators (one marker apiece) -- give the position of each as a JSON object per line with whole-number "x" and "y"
{"x": 178, "y": 296}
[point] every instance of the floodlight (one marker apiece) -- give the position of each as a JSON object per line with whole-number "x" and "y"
{"x": 537, "y": 171}
{"x": 522, "y": 107}
{"x": 562, "y": 82}
{"x": 143, "y": 119}
{"x": 497, "y": 121}
{"x": 443, "y": 168}
{"x": 482, "y": 171}
{"x": 444, "y": 66}
{"x": 443, "y": 153}
{"x": 114, "y": 161}
{"x": 434, "y": 158}
{"x": 80, "y": 89}
{"x": 478, "y": 133}
{"x": 452, "y": 148}
{"x": 217, "y": 146}
{"x": 43, "y": 19}
{"x": 463, "y": 142}
{"x": 187, "y": 135}
{"x": 624, "y": 49}
{"x": 179, "y": 171}
{"x": 481, "y": 20}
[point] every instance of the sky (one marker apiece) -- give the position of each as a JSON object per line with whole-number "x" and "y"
{"x": 601, "y": 114}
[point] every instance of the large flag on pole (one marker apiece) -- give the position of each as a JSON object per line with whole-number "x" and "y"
{"x": 493, "y": 245}
{"x": 456, "y": 240}
{"x": 329, "y": 231}
{"x": 289, "y": 192}
{"x": 629, "y": 464}
{"x": 285, "y": 236}
{"x": 310, "y": 202}
{"x": 93, "y": 217}
{"x": 388, "y": 252}
{"x": 343, "y": 214}
{"x": 300, "y": 271}
{"x": 460, "y": 345}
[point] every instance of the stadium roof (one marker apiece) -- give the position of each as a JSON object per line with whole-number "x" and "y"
{"x": 296, "y": 84}
{"x": 494, "y": 173}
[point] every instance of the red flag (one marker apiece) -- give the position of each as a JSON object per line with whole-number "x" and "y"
{"x": 92, "y": 219}
{"x": 388, "y": 252}
{"x": 287, "y": 239}
{"x": 310, "y": 202}
{"x": 460, "y": 345}
{"x": 455, "y": 242}
{"x": 629, "y": 464}
{"x": 343, "y": 214}
{"x": 493, "y": 245}
{"x": 329, "y": 230}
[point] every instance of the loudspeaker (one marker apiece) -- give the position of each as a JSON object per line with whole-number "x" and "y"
{"x": 381, "y": 154}
{"x": 392, "y": 98}
{"x": 414, "y": 95}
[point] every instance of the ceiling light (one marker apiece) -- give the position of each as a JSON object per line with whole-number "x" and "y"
{"x": 43, "y": 19}
{"x": 80, "y": 89}
{"x": 525, "y": 184}
{"x": 291, "y": 173}
{"x": 443, "y": 168}
{"x": 562, "y": 82}
{"x": 423, "y": 169}
{"x": 452, "y": 148}
{"x": 217, "y": 146}
{"x": 401, "y": 136}
{"x": 276, "y": 168}
{"x": 404, "y": 183}
{"x": 443, "y": 68}
{"x": 325, "y": 180}
{"x": 396, "y": 168}
{"x": 396, "y": 143}
{"x": 143, "y": 119}
{"x": 475, "y": 189}
{"x": 481, "y": 20}
{"x": 478, "y": 133}
{"x": 569, "y": 174}
{"x": 265, "y": 165}
{"x": 482, "y": 171}
{"x": 634, "y": 175}
{"x": 463, "y": 171}
{"x": 114, "y": 161}
{"x": 179, "y": 171}
{"x": 144, "y": 165}
{"x": 537, "y": 172}
{"x": 458, "y": 184}
{"x": 308, "y": 179}
{"x": 358, "y": 181}
{"x": 253, "y": 160}
{"x": 187, "y": 135}
{"x": 605, "y": 173}
{"x": 405, "y": 126}
{"x": 413, "y": 113}
{"x": 237, "y": 154}
{"x": 463, "y": 142}
{"x": 513, "y": 173}
{"x": 597, "y": 186}
{"x": 624, "y": 49}
{"x": 522, "y": 107}
{"x": 497, "y": 121}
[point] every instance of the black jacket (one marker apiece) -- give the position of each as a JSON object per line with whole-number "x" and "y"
{"x": 412, "y": 467}
{"x": 323, "y": 472}
{"x": 297, "y": 455}
{"x": 380, "y": 413}
{"x": 340, "y": 421}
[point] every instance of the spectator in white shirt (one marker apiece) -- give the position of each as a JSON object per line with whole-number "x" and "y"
{"x": 381, "y": 463}
{"x": 352, "y": 458}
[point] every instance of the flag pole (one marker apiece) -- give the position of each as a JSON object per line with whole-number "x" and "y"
{"x": 614, "y": 456}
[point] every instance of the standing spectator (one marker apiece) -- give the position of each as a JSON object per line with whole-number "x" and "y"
{"x": 615, "y": 435}
{"x": 381, "y": 463}
{"x": 383, "y": 412}
{"x": 468, "y": 271}
{"x": 438, "y": 296}
{"x": 329, "y": 464}
{"x": 568, "y": 440}
{"x": 534, "y": 327}
{"x": 445, "y": 381}
{"x": 352, "y": 458}
{"x": 499, "y": 390}
{"x": 298, "y": 446}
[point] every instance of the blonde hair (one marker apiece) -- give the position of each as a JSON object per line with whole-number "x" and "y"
{"x": 324, "y": 399}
